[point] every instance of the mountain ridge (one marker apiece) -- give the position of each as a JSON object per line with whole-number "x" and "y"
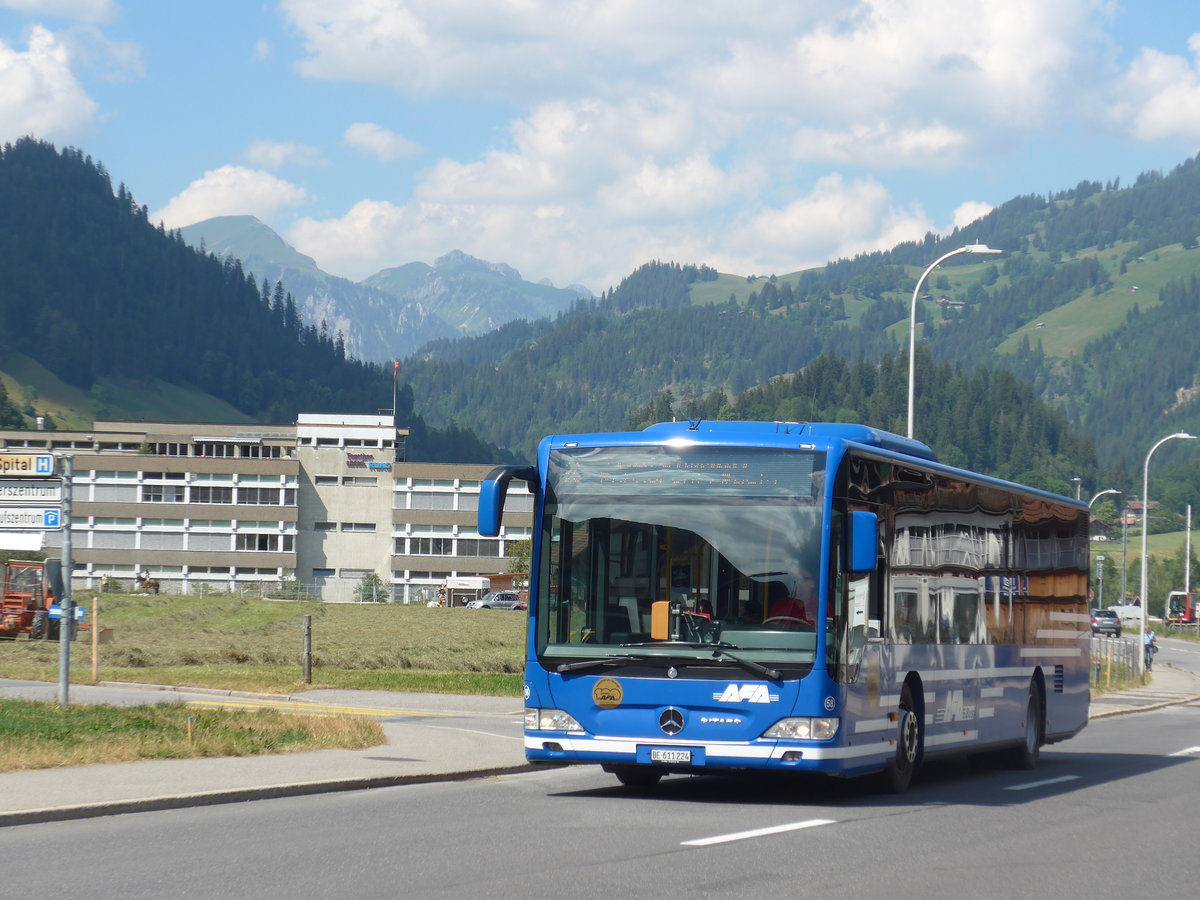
{"x": 391, "y": 313}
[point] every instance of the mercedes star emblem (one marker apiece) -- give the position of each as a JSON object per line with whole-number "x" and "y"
{"x": 671, "y": 721}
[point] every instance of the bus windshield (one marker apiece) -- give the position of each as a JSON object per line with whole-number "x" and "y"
{"x": 729, "y": 538}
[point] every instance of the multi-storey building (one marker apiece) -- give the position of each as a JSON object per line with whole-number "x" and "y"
{"x": 321, "y": 503}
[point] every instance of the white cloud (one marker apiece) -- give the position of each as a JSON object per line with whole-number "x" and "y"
{"x": 376, "y": 140}
{"x": 79, "y": 10}
{"x": 838, "y": 218}
{"x": 228, "y": 191}
{"x": 276, "y": 154}
{"x": 653, "y": 191}
{"x": 880, "y": 144}
{"x": 971, "y": 211}
{"x": 41, "y": 95}
{"x": 262, "y": 50}
{"x": 641, "y": 129}
{"x": 1159, "y": 95}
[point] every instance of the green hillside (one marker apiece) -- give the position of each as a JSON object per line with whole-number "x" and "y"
{"x": 37, "y": 391}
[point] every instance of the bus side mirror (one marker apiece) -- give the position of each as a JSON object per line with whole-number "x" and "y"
{"x": 493, "y": 491}
{"x": 864, "y": 541}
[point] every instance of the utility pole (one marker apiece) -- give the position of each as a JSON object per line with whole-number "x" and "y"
{"x": 66, "y": 603}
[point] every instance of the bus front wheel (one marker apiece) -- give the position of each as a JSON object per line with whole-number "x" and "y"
{"x": 899, "y": 771}
{"x": 640, "y": 778}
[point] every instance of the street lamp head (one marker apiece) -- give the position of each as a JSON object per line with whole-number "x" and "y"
{"x": 982, "y": 249}
{"x": 1184, "y": 436}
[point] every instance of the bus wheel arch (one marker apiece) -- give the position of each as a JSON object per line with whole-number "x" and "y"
{"x": 910, "y": 736}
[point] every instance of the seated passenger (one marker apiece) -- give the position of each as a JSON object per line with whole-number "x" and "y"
{"x": 795, "y": 609}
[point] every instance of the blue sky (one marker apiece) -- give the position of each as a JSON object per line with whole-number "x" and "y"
{"x": 577, "y": 140}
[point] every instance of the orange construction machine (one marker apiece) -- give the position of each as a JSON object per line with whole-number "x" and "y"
{"x": 27, "y": 601}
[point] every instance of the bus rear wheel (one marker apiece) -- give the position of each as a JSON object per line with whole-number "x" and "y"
{"x": 639, "y": 778}
{"x": 899, "y": 771}
{"x": 1026, "y": 754}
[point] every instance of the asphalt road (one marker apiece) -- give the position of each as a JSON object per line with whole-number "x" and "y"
{"x": 1112, "y": 813}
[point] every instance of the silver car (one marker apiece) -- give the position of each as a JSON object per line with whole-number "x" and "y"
{"x": 498, "y": 600}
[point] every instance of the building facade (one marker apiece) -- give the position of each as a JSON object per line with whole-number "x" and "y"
{"x": 312, "y": 507}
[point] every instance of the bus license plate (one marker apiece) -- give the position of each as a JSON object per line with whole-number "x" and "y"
{"x": 670, "y": 756}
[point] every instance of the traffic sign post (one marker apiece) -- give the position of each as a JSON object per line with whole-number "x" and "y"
{"x": 33, "y": 498}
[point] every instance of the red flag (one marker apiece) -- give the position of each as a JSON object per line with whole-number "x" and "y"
{"x": 395, "y": 369}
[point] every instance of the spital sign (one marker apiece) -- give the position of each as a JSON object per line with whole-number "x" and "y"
{"x": 18, "y": 464}
{"x": 364, "y": 461}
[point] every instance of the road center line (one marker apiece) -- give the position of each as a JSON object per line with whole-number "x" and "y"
{"x": 757, "y": 832}
{"x": 1037, "y": 784}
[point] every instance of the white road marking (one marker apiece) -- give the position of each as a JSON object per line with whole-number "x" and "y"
{"x": 757, "y": 832}
{"x": 1036, "y": 784}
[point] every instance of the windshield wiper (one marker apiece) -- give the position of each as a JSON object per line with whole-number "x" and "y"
{"x": 720, "y": 648}
{"x": 593, "y": 663}
{"x": 766, "y": 671}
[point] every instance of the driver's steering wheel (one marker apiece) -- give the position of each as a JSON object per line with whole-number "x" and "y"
{"x": 789, "y": 623}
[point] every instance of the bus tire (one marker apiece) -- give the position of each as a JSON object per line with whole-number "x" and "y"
{"x": 899, "y": 770}
{"x": 1026, "y": 754}
{"x": 638, "y": 778}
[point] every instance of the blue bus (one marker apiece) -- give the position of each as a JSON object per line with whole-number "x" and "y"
{"x": 728, "y": 596}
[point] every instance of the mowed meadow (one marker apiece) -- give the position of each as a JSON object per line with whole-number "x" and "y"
{"x": 239, "y": 643}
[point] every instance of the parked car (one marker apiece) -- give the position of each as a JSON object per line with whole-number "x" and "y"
{"x": 1106, "y": 621}
{"x": 498, "y": 600}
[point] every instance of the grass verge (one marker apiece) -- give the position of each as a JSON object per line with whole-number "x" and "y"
{"x": 239, "y": 643}
{"x": 37, "y": 735}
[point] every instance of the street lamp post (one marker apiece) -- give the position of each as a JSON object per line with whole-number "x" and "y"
{"x": 1092, "y": 503}
{"x": 1182, "y": 435}
{"x": 982, "y": 249}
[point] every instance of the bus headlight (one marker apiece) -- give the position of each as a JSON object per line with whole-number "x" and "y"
{"x": 803, "y": 729}
{"x": 549, "y": 720}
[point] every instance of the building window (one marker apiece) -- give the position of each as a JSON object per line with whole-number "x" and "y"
{"x": 218, "y": 449}
{"x": 205, "y": 494}
{"x": 322, "y": 573}
{"x": 478, "y": 547}
{"x": 360, "y": 480}
{"x": 432, "y": 546}
{"x": 162, "y": 493}
{"x": 358, "y": 526}
{"x": 324, "y": 526}
{"x": 265, "y": 543}
{"x": 169, "y": 449}
{"x": 258, "y": 496}
{"x": 325, "y": 480}
{"x": 426, "y": 500}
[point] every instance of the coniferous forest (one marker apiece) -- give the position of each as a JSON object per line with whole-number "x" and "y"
{"x": 92, "y": 289}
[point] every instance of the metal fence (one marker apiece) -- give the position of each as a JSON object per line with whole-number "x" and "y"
{"x": 326, "y": 590}
{"x": 1114, "y": 661}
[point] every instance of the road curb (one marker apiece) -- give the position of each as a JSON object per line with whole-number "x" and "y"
{"x": 215, "y": 692}
{"x": 1129, "y": 710}
{"x": 242, "y": 795}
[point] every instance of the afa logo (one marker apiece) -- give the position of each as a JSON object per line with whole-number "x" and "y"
{"x": 746, "y": 693}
